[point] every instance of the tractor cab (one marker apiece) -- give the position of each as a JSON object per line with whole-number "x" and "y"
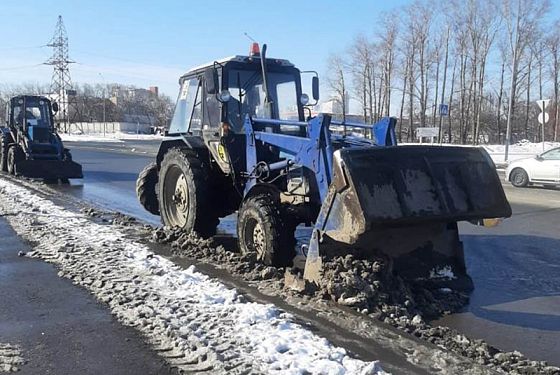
{"x": 215, "y": 99}
{"x": 29, "y": 144}
{"x": 33, "y": 117}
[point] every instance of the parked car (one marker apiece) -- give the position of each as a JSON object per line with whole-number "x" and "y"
{"x": 542, "y": 169}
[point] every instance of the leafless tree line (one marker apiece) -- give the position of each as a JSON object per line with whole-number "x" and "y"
{"x": 487, "y": 60}
{"x": 93, "y": 103}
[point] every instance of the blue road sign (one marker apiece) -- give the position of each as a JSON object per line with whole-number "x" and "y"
{"x": 443, "y": 110}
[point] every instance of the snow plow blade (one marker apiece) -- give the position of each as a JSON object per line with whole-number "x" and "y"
{"x": 48, "y": 169}
{"x": 405, "y": 201}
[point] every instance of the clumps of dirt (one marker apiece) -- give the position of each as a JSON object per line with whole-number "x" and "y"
{"x": 369, "y": 286}
{"x": 110, "y": 217}
{"x": 372, "y": 285}
{"x": 192, "y": 246}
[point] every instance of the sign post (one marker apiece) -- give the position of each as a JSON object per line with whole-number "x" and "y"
{"x": 543, "y": 116}
{"x": 431, "y": 133}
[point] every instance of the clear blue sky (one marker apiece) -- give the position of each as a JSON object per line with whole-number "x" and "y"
{"x": 152, "y": 42}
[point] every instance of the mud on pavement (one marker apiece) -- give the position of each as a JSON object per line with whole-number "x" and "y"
{"x": 371, "y": 288}
{"x": 194, "y": 322}
{"x": 356, "y": 294}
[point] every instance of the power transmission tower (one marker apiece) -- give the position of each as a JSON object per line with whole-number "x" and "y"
{"x": 61, "y": 84}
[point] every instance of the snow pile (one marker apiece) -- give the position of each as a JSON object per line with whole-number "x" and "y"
{"x": 195, "y": 322}
{"x": 10, "y": 358}
{"x": 520, "y": 150}
{"x": 371, "y": 287}
{"x": 523, "y": 147}
{"x": 117, "y": 137}
{"x": 442, "y": 273}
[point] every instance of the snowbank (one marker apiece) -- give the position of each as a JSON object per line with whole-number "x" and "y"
{"x": 193, "y": 321}
{"x": 109, "y": 137}
{"x": 520, "y": 150}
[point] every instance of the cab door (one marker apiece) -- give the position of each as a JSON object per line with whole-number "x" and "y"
{"x": 210, "y": 115}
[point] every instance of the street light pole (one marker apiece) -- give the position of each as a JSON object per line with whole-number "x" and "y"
{"x": 104, "y": 100}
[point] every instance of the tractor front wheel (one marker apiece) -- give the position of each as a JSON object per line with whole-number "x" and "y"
{"x": 185, "y": 196}
{"x": 263, "y": 229}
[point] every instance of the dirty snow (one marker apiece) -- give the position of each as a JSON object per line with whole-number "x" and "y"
{"x": 117, "y": 137}
{"x": 193, "y": 321}
{"x": 442, "y": 273}
{"x": 10, "y": 358}
{"x": 520, "y": 150}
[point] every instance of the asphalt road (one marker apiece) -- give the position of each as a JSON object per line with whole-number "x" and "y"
{"x": 62, "y": 329}
{"x": 515, "y": 267}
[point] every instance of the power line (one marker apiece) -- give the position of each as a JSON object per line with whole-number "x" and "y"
{"x": 22, "y": 48}
{"x": 21, "y": 67}
{"x": 61, "y": 83}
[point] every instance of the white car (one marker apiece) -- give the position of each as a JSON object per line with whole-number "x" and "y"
{"x": 542, "y": 169}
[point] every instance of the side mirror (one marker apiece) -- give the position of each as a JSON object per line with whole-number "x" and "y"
{"x": 539, "y": 158}
{"x": 211, "y": 78}
{"x": 315, "y": 87}
{"x": 55, "y": 107}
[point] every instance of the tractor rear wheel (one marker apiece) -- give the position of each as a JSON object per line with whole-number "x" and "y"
{"x": 15, "y": 155}
{"x": 184, "y": 192}
{"x": 3, "y": 153}
{"x": 263, "y": 228}
{"x": 146, "y": 188}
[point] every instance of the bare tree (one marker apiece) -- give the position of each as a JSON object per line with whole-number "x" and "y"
{"x": 521, "y": 19}
{"x": 553, "y": 44}
{"x": 337, "y": 82}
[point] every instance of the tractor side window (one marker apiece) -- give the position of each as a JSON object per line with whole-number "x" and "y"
{"x": 211, "y": 116}
{"x": 196, "y": 118}
{"x": 287, "y": 101}
{"x": 185, "y": 105}
{"x": 18, "y": 117}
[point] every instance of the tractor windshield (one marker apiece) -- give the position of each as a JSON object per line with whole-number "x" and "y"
{"x": 248, "y": 96}
{"x": 32, "y": 112}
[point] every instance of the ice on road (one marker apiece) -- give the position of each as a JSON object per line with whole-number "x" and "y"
{"x": 195, "y": 322}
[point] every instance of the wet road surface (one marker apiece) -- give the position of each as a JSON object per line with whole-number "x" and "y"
{"x": 515, "y": 267}
{"x": 516, "y": 272}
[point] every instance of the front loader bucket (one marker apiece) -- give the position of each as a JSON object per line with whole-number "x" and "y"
{"x": 48, "y": 169}
{"x": 405, "y": 201}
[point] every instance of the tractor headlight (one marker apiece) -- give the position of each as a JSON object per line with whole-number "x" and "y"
{"x": 224, "y": 96}
{"x": 304, "y": 99}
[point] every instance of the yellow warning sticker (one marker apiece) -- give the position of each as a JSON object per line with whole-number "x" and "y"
{"x": 222, "y": 152}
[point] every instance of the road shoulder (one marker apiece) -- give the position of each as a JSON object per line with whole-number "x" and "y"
{"x": 59, "y": 327}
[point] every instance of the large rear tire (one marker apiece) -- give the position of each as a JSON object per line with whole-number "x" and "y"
{"x": 146, "y": 188}
{"x": 185, "y": 193}
{"x": 519, "y": 178}
{"x": 3, "y": 153}
{"x": 15, "y": 155}
{"x": 263, "y": 228}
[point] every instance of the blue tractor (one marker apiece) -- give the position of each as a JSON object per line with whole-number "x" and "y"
{"x": 243, "y": 139}
{"x": 29, "y": 144}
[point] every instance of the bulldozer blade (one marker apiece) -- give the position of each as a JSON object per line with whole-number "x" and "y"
{"x": 48, "y": 169}
{"x": 406, "y": 201}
